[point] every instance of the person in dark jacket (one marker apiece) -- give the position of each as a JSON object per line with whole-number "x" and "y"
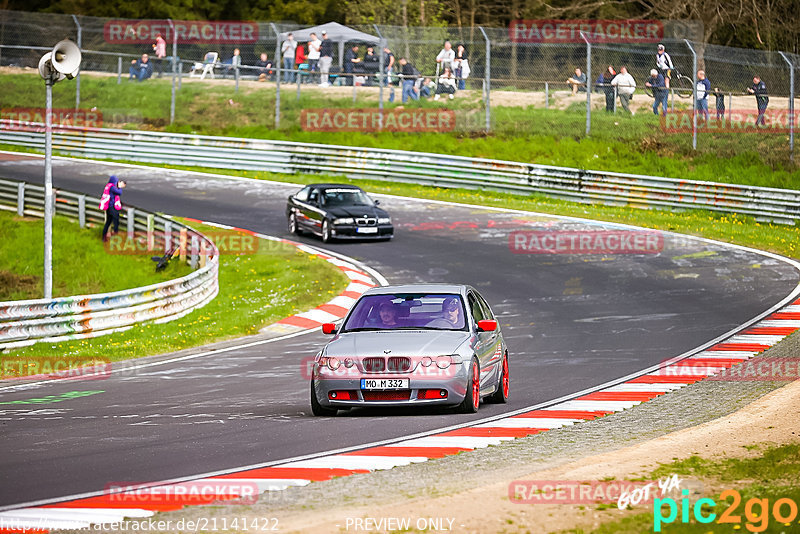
{"x": 759, "y": 89}
{"x": 656, "y": 83}
{"x": 608, "y": 89}
{"x": 371, "y": 64}
{"x": 111, "y": 203}
{"x": 409, "y": 79}
{"x": 351, "y": 59}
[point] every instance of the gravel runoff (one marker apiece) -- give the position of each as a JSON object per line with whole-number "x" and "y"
{"x": 690, "y": 406}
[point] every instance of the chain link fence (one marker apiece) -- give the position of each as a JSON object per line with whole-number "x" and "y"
{"x": 511, "y": 85}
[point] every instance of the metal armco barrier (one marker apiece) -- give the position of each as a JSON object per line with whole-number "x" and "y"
{"x": 26, "y": 322}
{"x": 764, "y": 203}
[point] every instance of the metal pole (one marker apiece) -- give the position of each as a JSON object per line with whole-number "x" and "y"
{"x": 546, "y": 95}
{"x": 48, "y": 192}
{"x": 791, "y": 105}
{"x": 730, "y": 107}
{"x": 694, "y": 94}
{"x": 487, "y": 79}
{"x": 381, "y": 77}
{"x": 278, "y": 62}
{"x": 21, "y": 199}
{"x": 174, "y": 68}
{"x": 615, "y": 99}
{"x": 353, "y": 79}
{"x": 588, "y": 83}
{"x": 119, "y": 70}
{"x": 298, "y": 83}
{"x": 180, "y": 74}
{"x": 78, "y": 77}
{"x": 236, "y": 75}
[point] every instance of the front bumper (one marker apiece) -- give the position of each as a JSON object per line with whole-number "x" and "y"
{"x": 351, "y": 231}
{"x": 455, "y": 386}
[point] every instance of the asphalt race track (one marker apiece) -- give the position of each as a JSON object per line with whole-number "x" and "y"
{"x": 571, "y": 321}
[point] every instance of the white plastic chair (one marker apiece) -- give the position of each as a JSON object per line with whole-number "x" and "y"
{"x": 199, "y": 70}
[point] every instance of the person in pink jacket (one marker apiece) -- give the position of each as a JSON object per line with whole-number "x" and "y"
{"x": 111, "y": 203}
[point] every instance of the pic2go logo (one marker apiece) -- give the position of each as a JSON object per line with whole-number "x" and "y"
{"x": 756, "y": 511}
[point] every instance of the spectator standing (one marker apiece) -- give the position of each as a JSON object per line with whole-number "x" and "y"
{"x": 461, "y": 66}
{"x": 288, "y": 50}
{"x": 664, "y": 64}
{"x": 446, "y": 56}
{"x": 656, "y": 83}
{"x": 314, "y": 48}
{"x": 703, "y": 88}
{"x": 325, "y": 59}
{"x": 759, "y": 88}
{"x": 371, "y": 63}
{"x": 111, "y": 203}
{"x": 265, "y": 67}
{"x": 299, "y": 59}
{"x": 447, "y": 84}
{"x": 351, "y": 59}
{"x": 625, "y": 85}
{"x": 160, "y": 50}
{"x": 409, "y": 78}
{"x": 719, "y": 97}
{"x": 141, "y": 69}
{"x": 608, "y": 89}
{"x": 578, "y": 82}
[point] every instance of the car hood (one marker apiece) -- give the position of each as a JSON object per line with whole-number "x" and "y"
{"x": 400, "y": 343}
{"x": 357, "y": 211}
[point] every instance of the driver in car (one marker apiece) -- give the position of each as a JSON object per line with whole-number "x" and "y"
{"x": 388, "y": 314}
{"x": 451, "y": 315}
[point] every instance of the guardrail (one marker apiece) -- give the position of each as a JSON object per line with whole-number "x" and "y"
{"x": 769, "y": 204}
{"x": 26, "y": 322}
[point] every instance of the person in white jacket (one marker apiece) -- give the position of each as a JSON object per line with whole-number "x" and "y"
{"x": 625, "y": 85}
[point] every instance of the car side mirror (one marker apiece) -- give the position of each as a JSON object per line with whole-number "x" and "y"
{"x": 487, "y": 325}
{"x": 328, "y": 328}
{"x": 376, "y": 201}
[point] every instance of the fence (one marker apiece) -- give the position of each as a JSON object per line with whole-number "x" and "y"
{"x": 506, "y": 71}
{"x": 51, "y": 320}
{"x": 417, "y": 167}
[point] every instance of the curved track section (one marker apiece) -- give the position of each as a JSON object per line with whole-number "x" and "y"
{"x": 572, "y": 322}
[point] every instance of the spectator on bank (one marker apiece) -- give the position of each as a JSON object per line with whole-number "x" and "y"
{"x": 160, "y": 50}
{"x": 299, "y": 59}
{"x": 409, "y": 78}
{"x": 371, "y": 64}
{"x": 608, "y": 89}
{"x": 703, "y": 88}
{"x": 625, "y": 85}
{"x": 446, "y": 56}
{"x": 233, "y": 64}
{"x": 351, "y": 59}
{"x": 656, "y": 83}
{"x": 577, "y": 81}
{"x": 664, "y": 64}
{"x": 719, "y": 98}
{"x": 427, "y": 88}
{"x": 111, "y": 203}
{"x": 264, "y": 68}
{"x": 759, "y": 88}
{"x": 325, "y": 59}
{"x": 314, "y": 46}
{"x": 447, "y": 84}
{"x": 461, "y": 66}
{"x": 141, "y": 69}
{"x": 288, "y": 49}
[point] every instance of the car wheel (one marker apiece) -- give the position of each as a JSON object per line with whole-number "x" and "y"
{"x": 501, "y": 395}
{"x": 318, "y": 409}
{"x": 473, "y": 397}
{"x": 293, "y": 229}
{"x": 326, "y": 231}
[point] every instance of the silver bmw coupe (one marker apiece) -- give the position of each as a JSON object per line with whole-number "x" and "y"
{"x": 430, "y": 344}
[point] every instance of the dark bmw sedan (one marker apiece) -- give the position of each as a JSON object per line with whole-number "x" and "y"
{"x": 337, "y": 211}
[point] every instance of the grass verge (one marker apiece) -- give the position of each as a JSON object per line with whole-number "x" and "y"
{"x": 772, "y": 475}
{"x": 255, "y": 289}
{"x": 81, "y": 264}
{"x": 636, "y": 144}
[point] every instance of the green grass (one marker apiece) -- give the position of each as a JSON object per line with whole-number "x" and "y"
{"x": 255, "y": 290}
{"x": 551, "y": 137}
{"x": 773, "y": 475}
{"x": 81, "y": 264}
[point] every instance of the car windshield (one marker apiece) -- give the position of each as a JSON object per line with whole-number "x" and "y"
{"x": 407, "y": 311}
{"x": 345, "y": 197}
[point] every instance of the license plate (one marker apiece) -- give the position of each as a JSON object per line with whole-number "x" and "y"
{"x": 367, "y": 230}
{"x": 385, "y": 383}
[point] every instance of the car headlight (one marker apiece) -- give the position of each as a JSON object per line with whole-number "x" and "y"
{"x": 427, "y": 361}
{"x": 384, "y": 220}
{"x": 330, "y": 362}
{"x": 345, "y": 220}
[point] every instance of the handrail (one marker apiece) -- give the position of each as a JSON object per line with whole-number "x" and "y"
{"x": 26, "y": 322}
{"x": 764, "y": 203}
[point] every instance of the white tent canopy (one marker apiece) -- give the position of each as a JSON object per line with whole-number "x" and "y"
{"x": 336, "y": 32}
